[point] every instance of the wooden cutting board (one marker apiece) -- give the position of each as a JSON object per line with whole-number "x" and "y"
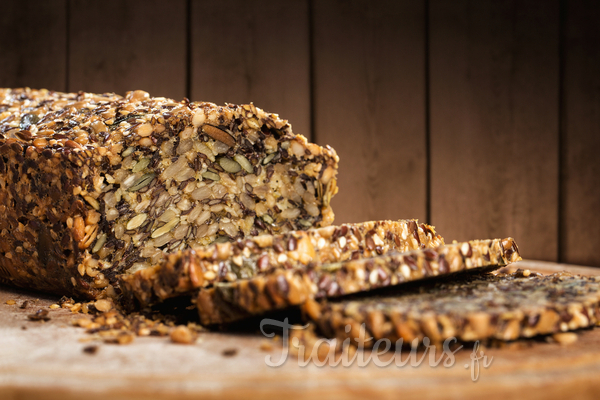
{"x": 46, "y": 360}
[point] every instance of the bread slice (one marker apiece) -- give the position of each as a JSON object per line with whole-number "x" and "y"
{"x": 280, "y": 287}
{"x": 93, "y": 185}
{"x": 180, "y": 273}
{"x": 478, "y": 307}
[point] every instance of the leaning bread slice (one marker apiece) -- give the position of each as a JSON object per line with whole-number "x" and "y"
{"x": 280, "y": 288}
{"x": 93, "y": 185}
{"x": 182, "y": 272}
{"x": 502, "y": 306}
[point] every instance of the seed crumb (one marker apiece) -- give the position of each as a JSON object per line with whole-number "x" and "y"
{"x": 11, "y": 302}
{"x": 24, "y": 304}
{"x": 39, "y": 315}
{"x": 91, "y": 349}
{"x": 565, "y": 338}
{"x": 54, "y": 306}
{"x": 266, "y": 346}
{"x": 229, "y": 352}
{"x": 103, "y": 305}
{"x": 183, "y": 335}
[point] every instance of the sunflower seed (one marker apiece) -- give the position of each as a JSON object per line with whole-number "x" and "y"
{"x": 136, "y": 221}
{"x": 93, "y": 202}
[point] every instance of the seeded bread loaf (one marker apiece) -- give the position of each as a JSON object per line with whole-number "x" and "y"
{"x": 279, "y": 288}
{"x": 502, "y": 306}
{"x": 180, "y": 273}
{"x": 93, "y": 185}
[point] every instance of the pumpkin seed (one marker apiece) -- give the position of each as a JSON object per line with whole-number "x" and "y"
{"x": 268, "y": 158}
{"x": 128, "y": 152}
{"x": 99, "y": 243}
{"x": 141, "y": 165}
{"x": 212, "y": 176}
{"x": 305, "y": 223}
{"x": 244, "y": 163}
{"x": 229, "y": 165}
{"x": 27, "y": 120}
{"x": 142, "y": 182}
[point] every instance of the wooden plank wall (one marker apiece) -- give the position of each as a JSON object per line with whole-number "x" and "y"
{"x": 580, "y": 136}
{"x": 369, "y": 104}
{"x": 480, "y": 117}
{"x": 494, "y": 121}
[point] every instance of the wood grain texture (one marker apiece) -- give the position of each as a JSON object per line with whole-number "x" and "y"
{"x": 369, "y": 104}
{"x": 494, "y": 123}
{"x": 254, "y": 51}
{"x": 46, "y": 361}
{"x": 33, "y": 43}
{"x": 580, "y": 214}
{"x": 117, "y": 46}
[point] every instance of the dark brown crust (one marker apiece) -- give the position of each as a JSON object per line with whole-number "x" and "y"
{"x": 501, "y": 307}
{"x": 93, "y": 185}
{"x": 180, "y": 273}
{"x": 280, "y": 288}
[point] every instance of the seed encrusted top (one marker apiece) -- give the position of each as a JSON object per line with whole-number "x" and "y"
{"x": 502, "y": 306}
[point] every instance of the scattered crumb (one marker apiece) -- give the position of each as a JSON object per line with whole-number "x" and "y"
{"x": 565, "y": 338}
{"x": 54, "y": 306}
{"x": 119, "y": 338}
{"x": 24, "y": 328}
{"x": 39, "y": 315}
{"x": 229, "y": 352}
{"x": 103, "y": 305}
{"x": 266, "y": 345}
{"x": 24, "y": 304}
{"x": 11, "y": 302}
{"x": 91, "y": 349}
{"x": 82, "y": 322}
{"x": 183, "y": 335}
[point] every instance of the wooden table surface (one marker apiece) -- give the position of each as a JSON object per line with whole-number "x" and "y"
{"x": 46, "y": 360}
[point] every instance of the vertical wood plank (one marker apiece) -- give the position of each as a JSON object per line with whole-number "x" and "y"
{"x": 117, "y": 46}
{"x": 494, "y": 124}
{"x": 33, "y": 43}
{"x": 581, "y": 135}
{"x": 369, "y": 102}
{"x": 255, "y": 51}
